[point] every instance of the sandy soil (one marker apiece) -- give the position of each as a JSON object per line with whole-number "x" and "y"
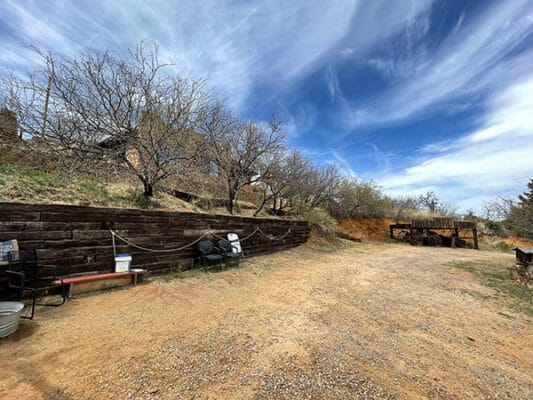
{"x": 370, "y": 321}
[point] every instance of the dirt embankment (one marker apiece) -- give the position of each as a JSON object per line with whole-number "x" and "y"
{"x": 518, "y": 242}
{"x": 366, "y": 228}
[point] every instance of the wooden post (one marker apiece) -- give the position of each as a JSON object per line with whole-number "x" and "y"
{"x": 391, "y": 229}
{"x": 476, "y": 246}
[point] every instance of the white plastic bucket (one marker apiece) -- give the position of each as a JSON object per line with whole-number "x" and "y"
{"x": 122, "y": 262}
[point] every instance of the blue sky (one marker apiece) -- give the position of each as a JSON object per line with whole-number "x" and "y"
{"x": 416, "y": 95}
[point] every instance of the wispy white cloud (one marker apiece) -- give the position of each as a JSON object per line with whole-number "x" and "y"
{"x": 382, "y": 160}
{"x": 488, "y": 160}
{"x": 234, "y": 44}
{"x": 409, "y": 55}
{"x": 458, "y": 24}
{"x": 332, "y": 83}
{"x": 375, "y": 21}
{"x": 343, "y": 164}
{"x": 475, "y": 56}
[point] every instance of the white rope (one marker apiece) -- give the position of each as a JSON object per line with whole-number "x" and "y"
{"x": 207, "y": 233}
{"x": 217, "y": 236}
{"x": 256, "y": 230}
{"x": 272, "y": 237}
{"x": 158, "y": 250}
{"x": 250, "y": 235}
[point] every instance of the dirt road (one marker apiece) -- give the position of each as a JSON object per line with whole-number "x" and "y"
{"x": 369, "y": 321}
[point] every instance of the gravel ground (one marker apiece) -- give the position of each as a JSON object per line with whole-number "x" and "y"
{"x": 368, "y": 321}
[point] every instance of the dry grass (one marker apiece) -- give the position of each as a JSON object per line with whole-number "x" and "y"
{"x": 495, "y": 243}
{"x": 24, "y": 184}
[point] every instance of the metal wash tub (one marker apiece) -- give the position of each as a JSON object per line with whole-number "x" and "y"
{"x": 10, "y": 312}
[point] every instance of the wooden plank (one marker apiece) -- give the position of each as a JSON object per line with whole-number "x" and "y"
{"x": 31, "y": 244}
{"x": 75, "y": 251}
{"x": 35, "y": 235}
{"x": 20, "y": 226}
{"x": 47, "y": 226}
{"x": 91, "y": 234}
{"x": 94, "y": 217}
{"x": 151, "y": 226}
{"x": 63, "y": 270}
{"x": 19, "y": 216}
{"x": 68, "y": 243}
{"x": 84, "y": 287}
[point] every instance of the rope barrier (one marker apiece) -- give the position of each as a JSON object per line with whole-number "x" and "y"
{"x": 208, "y": 233}
{"x": 217, "y": 236}
{"x": 113, "y": 233}
{"x": 250, "y": 235}
{"x": 274, "y": 238}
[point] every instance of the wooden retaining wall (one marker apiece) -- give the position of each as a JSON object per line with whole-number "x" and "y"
{"x": 77, "y": 239}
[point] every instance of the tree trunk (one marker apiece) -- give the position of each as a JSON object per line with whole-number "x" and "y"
{"x": 231, "y": 199}
{"x": 263, "y": 202}
{"x": 148, "y": 189}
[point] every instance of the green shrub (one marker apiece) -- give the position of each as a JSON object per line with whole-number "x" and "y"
{"x": 494, "y": 243}
{"x": 497, "y": 227}
{"x": 320, "y": 222}
{"x": 503, "y": 246}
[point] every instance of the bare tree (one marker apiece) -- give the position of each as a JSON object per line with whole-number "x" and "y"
{"x": 446, "y": 209}
{"x": 282, "y": 183}
{"x": 499, "y": 208}
{"x": 25, "y": 98}
{"x": 273, "y": 181}
{"x": 128, "y": 111}
{"x": 240, "y": 150}
{"x": 320, "y": 186}
{"x": 403, "y": 204}
{"x": 429, "y": 201}
{"x": 515, "y": 212}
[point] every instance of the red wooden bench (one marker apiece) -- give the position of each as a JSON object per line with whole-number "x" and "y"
{"x": 86, "y": 283}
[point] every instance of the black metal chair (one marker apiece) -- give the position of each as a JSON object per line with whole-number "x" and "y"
{"x": 229, "y": 252}
{"x": 208, "y": 253}
{"x": 26, "y": 275}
